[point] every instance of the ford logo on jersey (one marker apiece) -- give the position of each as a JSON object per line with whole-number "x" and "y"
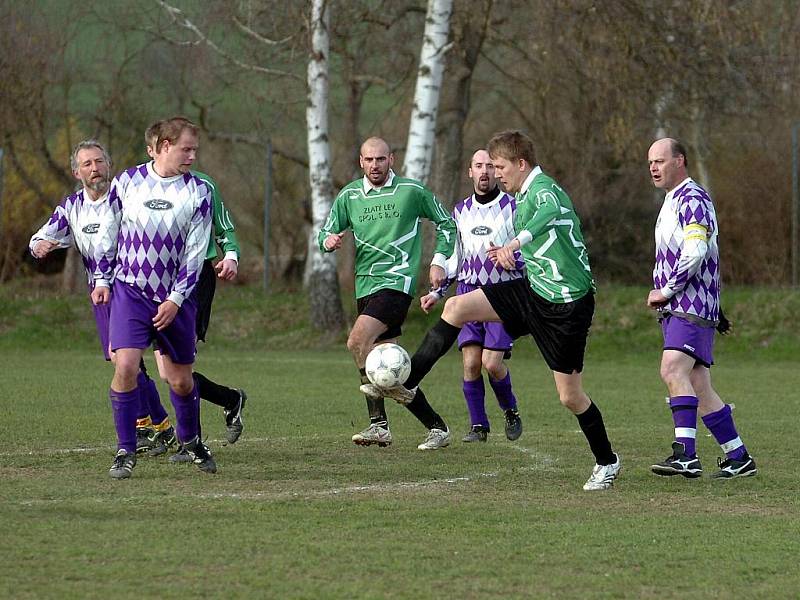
{"x": 481, "y": 230}
{"x": 158, "y": 204}
{"x": 91, "y": 228}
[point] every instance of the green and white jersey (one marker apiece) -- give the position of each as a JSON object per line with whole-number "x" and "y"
{"x": 222, "y": 233}
{"x": 387, "y": 231}
{"x": 549, "y": 230}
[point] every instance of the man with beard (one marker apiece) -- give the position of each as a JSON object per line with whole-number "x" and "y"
{"x": 86, "y": 219}
{"x": 484, "y": 219}
{"x": 384, "y": 211}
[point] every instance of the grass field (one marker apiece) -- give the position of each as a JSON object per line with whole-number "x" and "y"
{"x": 297, "y": 511}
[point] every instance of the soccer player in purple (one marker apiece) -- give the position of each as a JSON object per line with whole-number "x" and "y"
{"x": 484, "y": 219}
{"x": 164, "y": 216}
{"x": 87, "y": 219}
{"x": 686, "y": 292}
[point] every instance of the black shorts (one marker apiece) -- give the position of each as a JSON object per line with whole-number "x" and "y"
{"x": 559, "y": 329}
{"x": 204, "y": 294}
{"x": 390, "y": 307}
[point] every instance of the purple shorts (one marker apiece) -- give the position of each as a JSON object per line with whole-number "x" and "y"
{"x": 689, "y": 338}
{"x": 131, "y": 325}
{"x": 102, "y": 314}
{"x": 490, "y": 335}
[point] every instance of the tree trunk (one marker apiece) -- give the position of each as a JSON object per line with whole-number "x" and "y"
{"x": 322, "y": 285}
{"x": 419, "y": 149}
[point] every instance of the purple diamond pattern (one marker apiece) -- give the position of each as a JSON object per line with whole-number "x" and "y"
{"x": 165, "y": 227}
{"x": 697, "y": 287}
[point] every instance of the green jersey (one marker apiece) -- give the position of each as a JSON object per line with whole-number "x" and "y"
{"x": 386, "y": 228}
{"x": 549, "y": 230}
{"x": 222, "y": 234}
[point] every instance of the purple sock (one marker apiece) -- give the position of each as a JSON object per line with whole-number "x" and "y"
{"x": 684, "y": 415}
{"x": 187, "y": 414}
{"x": 502, "y": 389}
{"x": 125, "y": 405}
{"x": 475, "y": 393}
{"x": 143, "y": 409}
{"x": 721, "y": 426}
{"x": 152, "y": 400}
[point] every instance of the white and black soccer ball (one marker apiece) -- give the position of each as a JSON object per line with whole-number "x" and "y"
{"x": 388, "y": 365}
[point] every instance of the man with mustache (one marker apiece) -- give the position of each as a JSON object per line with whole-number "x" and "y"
{"x": 384, "y": 213}
{"x": 484, "y": 219}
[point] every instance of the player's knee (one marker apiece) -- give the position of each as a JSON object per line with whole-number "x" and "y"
{"x": 358, "y": 347}
{"x": 574, "y": 400}
{"x": 472, "y": 370}
{"x": 672, "y": 374}
{"x": 495, "y": 367}
{"x": 452, "y": 309}
{"x": 182, "y": 385}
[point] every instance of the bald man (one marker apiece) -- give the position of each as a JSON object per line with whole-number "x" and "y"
{"x": 384, "y": 211}
{"x": 686, "y": 294}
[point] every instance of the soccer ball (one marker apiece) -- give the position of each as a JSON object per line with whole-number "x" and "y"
{"x": 388, "y": 365}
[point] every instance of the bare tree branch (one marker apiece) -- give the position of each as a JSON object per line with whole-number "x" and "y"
{"x": 258, "y": 37}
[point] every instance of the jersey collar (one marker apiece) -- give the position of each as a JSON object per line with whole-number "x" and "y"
{"x": 678, "y": 188}
{"x": 368, "y": 185}
{"x": 537, "y": 170}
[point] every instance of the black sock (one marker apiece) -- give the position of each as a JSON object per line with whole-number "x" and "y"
{"x": 591, "y": 422}
{"x": 424, "y": 412}
{"x": 375, "y": 406}
{"x": 436, "y": 343}
{"x": 215, "y": 393}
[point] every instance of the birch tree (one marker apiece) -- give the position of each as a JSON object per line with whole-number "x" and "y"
{"x": 421, "y": 131}
{"x": 321, "y": 282}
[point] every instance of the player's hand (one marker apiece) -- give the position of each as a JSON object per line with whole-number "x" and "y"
{"x": 167, "y": 311}
{"x": 655, "y": 299}
{"x": 504, "y": 255}
{"x": 227, "y": 269}
{"x": 101, "y": 295}
{"x": 43, "y": 247}
{"x": 724, "y": 327}
{"x": 436, "y": 277}
{"x": 428, "y": 301}
{"x": 333, "y": 242}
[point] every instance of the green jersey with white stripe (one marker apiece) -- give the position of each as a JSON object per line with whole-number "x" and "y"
{"x": 387, "y": 231}
{"x": 223, "y": 233}
{"x": 556, "y": 257}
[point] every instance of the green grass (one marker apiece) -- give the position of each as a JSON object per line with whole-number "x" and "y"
{"x": 297, "y": 511}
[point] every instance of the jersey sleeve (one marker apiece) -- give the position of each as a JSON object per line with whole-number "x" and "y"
{"x": 224, "y": 230}
{"x": 452, "y": 267}
{"x": 548, "y": 208}
{"x": 695, "y": 221}
{"x": 106, "y": 249}
{"x": 56, "y": 230}
{"x": 446, "y": 233}
{"x": 338, "y": 220}
{"x": 194, "y": 254}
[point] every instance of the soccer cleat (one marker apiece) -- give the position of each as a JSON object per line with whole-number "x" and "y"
{"x": 374, "y": 434}
{"x": 437, "y": 438}
{"x": 678, "y": 464}
{"x": 398, "y": 392}
{"x": 144, "y": 439}
{"x": 478, "y": 433}
{"x": 163, "y": 441}
{"x": 201, "y": 455}
{"x": 603, "y": 476}
{"x": 123, "y": 464}
{"x": 513, "y": 424}
{"x": 731, "y": 468}
{"x": 180, "y": 456}
{"x": 233, "y": 418}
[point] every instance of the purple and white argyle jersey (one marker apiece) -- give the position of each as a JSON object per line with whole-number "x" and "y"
{"x": 165, "y": 228}
{"x": 480, "y": 225}
{"x": 691, "y": 281}
{"x": 91, "y": 225}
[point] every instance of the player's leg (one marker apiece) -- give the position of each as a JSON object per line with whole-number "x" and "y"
{"x": 361, "y": 340}
{"x": 677, "y": 365}
{"x": 165, "y": 436}
{"x": 470, "y": 340}
{"x": 718, "y": 418}
{"x": 231, "y": 400}
{"x": 498, "y": 346}
{"x": 177, "y": 345}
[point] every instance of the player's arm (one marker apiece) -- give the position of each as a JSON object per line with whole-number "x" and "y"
{"x": 330, "y": 235}
{"x": 105, "y": 251}
{"x": 452, "y": 269}
{"x": 446, "y": 234}
{"x": 56, "y": 233}
{"x": 194, "y": 252}
{"x": 696, "y": 225}
{"x": 224, "y": 236}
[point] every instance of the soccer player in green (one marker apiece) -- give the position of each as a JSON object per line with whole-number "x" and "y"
{"x": 384, "y": 211}
{"x": 554, "y": 304}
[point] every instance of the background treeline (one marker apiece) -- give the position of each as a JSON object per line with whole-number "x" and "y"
{"x": 592, "y": 82}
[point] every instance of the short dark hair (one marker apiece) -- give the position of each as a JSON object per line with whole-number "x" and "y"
{"x": 512, "y": 145}
{"x": 678, "y": 148}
